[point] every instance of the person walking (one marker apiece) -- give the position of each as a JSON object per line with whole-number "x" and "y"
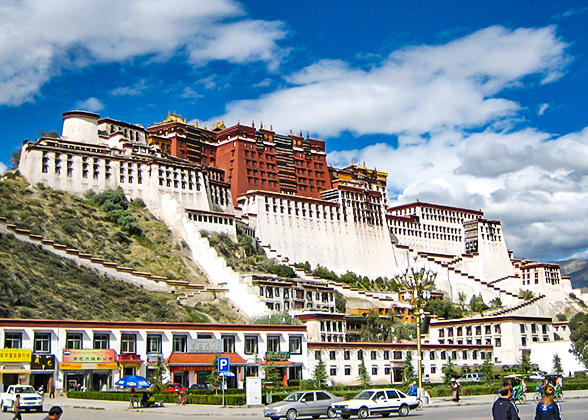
{"x": 504, "y": 408}
{"x": 455, "y": 390}
{"x": 54, "y": 413}
{"x": 16, "y": 408}
{"x": 548, "y": 409}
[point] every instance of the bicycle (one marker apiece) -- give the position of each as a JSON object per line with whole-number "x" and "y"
{"x": 181, "y": 399}
{"x": 558, "y": 397}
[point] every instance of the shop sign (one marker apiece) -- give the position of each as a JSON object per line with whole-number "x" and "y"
{"x": 152, "y": 358}
{"x": 277, "y": 356}
{"x": 15, "y": 355}
{"x": 106, "y": 365}
{"x": 43, "y": 362}
{"x": 64, "y": 366}
{"x": 205, "y": 346}
{"x": 88, "y": 366}
{"x": 89, "y": 356}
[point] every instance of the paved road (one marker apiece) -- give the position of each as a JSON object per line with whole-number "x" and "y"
{"x": 470, "y": 408}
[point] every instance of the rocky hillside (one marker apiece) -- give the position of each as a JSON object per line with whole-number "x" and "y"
{"x": 38, "y": 284}
{"x": 578, "y": 271}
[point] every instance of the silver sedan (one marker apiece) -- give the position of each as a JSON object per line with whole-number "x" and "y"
{"x": 303, "y": 403}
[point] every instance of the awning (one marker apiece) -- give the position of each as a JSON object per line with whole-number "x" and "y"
{"x": 202, "y": 359}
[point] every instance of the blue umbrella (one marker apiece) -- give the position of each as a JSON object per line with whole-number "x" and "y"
{"x": 133, "y": 381}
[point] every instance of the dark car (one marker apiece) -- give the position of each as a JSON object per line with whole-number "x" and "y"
{"x": 198, "y": 386}
{"x": 304, "y": 403}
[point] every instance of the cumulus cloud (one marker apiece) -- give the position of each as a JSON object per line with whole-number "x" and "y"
{"x": 90, "y": 104}
{"x": 38, "y": 38}
{"x": 414, "y": 90}
{"x": 3, "y": 167}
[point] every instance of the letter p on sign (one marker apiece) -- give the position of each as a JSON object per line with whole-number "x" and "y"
{"x": 223, "y": 364}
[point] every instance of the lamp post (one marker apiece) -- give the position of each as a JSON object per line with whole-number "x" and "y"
{"x": 417, "y": 278}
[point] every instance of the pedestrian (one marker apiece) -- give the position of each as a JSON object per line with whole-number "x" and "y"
{"x": 504, "y": 408}
{"x": 16, "y": 408}
{"x": 54, "y": 413}
{"x": 455, "y": 390}
{"x": 548, "y": 409}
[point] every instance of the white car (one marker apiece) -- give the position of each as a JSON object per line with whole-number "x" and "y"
{"x": 376, "y": 401}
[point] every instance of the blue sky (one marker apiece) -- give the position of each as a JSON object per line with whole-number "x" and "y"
{"x": 464, "y": 103}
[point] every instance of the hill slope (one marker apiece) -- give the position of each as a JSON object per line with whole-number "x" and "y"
{"x": 577, "y": 270}
{"x": 37, "y": 284}
{"x": 82, "y": 224}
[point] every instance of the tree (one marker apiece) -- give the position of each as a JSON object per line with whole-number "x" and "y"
{"x": 273, "y": 374}
{"x": 496, "y": 303}
{"x": 579, "y": 336}
{"x": 364, "y": 377}
{"x": 156, "y": 377}
{"x": 377, "y": 329}
{"x": 15, "y": 159}
{"x": 477, "y": 303}
{"x": 444, "y": 309}
{"x": 340, "y": 302}
{"x": 525, "y": 366}
{"x": 557, "y": 367}
{"x": 463, "y": 298}
{"x": 320, "y": 375}
{"x": 408, "y": 372}
{"x": 214, "y": 379}
{"x": 449, "y": 371}
{"x": 487, "y": 368}
{"x": 526, "y": 294}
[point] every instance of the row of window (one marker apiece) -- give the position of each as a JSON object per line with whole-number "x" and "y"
{"x": 210, "y": 219}
{"x": 400, "y": 354}
{"x": 459, "y": 331}
{"x": 428, "y": 235}
{"x": 128, "y": 342}
{"x": 272, "y": 292}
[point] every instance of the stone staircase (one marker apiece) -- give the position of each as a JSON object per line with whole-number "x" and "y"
{"x": 147, "y": 281}
{"x": 238, "y": 290}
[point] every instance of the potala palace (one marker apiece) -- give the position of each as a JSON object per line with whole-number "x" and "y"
{"x": 280, "y": 189}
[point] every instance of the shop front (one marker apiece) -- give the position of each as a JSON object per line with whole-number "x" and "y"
{"x": 130, "y": 363}
{"x": 15, "y": 366}
{"x": 281, "y": 361}
{"x": 42, "y": 371}
{"x": 88, "y": 369}
{"x": 194, "y": 368}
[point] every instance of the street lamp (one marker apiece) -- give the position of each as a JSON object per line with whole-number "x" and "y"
{"x": 417, "y": 278}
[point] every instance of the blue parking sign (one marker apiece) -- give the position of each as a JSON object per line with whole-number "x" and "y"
{"x": 223, "y": 365}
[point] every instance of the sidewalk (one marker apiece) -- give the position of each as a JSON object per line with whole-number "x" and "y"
{"x": 489, "y": 399}
{"x": 214, "y": 410}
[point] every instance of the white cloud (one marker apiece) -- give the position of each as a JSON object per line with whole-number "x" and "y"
{"x": 414, "y": 90}
{"x": 3, "y": 167}
{"x": 135, "y": 90}
{"x": 90, "y": 104}
{"x": 542, "y": 108}
{"x": 190, "y": 93}
{"x": 38, "y": 38}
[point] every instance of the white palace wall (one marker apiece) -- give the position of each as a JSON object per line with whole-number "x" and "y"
{"x": 341, "y": 246}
